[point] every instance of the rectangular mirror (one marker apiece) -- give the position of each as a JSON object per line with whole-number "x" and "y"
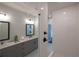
{"x": 4, "y": 30}
{"x": 29, "y": 29}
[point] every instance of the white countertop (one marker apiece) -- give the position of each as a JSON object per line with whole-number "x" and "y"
{"x": 13, "y": 43}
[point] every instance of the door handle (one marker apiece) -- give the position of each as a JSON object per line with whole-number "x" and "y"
{"x": 44, "y": 39}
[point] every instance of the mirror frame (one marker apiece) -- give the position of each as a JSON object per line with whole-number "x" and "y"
{"x": 8, "y": 30}
{"x": 32, "y": 29}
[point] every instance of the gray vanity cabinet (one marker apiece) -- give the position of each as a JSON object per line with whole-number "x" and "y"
{"x": 35, "y": 43}
{"x": 13, "y": 51}
{"x": 26, "y": 48}
{"x": 30, "y": 46}
{"x": 0, "y": 53}
{"x": 20, "y": 50}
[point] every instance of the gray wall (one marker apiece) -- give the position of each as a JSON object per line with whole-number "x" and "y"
{"x": 66, "y": 31}
{"x": 17, "y": 22}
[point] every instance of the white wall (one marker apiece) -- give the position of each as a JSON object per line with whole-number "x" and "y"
{"x": 78, "y": 30}
{"x": 65, "y": 27}
{"x": 43, "y": 27}
{"x": 17, "y": 22}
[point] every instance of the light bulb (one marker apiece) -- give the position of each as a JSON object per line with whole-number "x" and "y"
{"x": 64, "y": 13}
{"x": 29, "y": 22}
{"x": 4, "y": 17}
{"x": 42, "y": 8}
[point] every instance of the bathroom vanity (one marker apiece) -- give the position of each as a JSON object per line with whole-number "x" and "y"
{"x": 19, "y": 49}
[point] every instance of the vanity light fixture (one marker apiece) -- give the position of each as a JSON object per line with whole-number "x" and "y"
{"x": 29, "y": 21}
{"x": 4, "y": 17}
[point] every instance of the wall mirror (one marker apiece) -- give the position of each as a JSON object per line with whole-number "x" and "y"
{"x": 4, "y": 30}
{"x": 29, "y": 29}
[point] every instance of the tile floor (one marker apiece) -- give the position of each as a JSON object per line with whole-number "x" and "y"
{"x": 35, "y": 53}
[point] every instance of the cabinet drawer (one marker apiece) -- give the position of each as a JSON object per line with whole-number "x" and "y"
{"x": 0, "y": 53}
{"x": 30, "y": 46}
{"x": 35, "y": 43}
{"x": 13, "y": 51}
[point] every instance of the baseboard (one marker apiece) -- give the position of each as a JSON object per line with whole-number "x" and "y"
{"x": 51, "y": 54}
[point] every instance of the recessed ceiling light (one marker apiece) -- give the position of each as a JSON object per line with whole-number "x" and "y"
{"x": 64, "y": 12}
{"x": 42, "y": 8}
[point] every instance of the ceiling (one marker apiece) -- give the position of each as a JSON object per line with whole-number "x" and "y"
{"x": 58, "y": 5}
{"x": 51, "y": 5}
{"x": 37, "y": 5}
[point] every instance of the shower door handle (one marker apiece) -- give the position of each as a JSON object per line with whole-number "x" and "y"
{"x": 44, "y": 39}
